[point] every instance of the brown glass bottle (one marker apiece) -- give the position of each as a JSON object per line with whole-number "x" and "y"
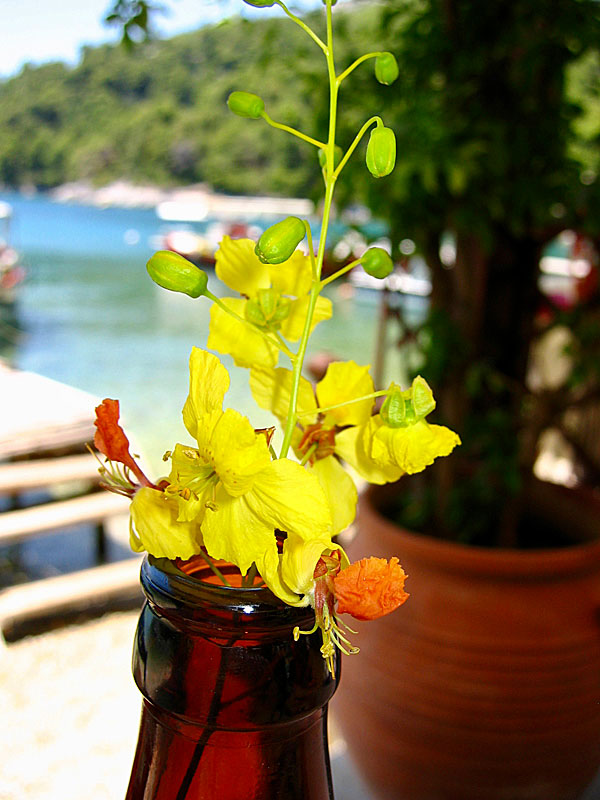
{"x": 234, "y": 708}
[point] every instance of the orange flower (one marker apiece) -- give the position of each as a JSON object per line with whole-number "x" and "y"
{"x": 370, "y": 588}
{"x": 111, "y": 441}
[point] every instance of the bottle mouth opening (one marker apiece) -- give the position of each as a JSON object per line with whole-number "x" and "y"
{"x": 197, "y": 567}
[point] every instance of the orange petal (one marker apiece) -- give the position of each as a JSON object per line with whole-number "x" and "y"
{"x": 370, "y": 588}
{"x": 110, "y": 438}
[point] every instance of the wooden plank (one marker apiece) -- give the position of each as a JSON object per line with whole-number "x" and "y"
{"x": 22, "y": 476}
{"x": 82, "y": 591}
{"x": 28, "y": 522}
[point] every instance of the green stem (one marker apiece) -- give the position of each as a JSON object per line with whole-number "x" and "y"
{"x": 340, "y": 272}
{"x": 323, "y": 410}
{"x": 356, "y": 141}
{"x": 316, "y": 287}
{"x": 304, "y": 27}
{"x": 353, "y": 66}
{"x": 311, "y": 249}
{"x": 214, "y": 568}
{"x": 280, "y": 126}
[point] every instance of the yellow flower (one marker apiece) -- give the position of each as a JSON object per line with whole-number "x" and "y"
{"x": 155, "y": 527}
{"x": 274, "y": 299}
{"x": 239, "y": 496}
{"x": 316, "y": 436}
{"x": 399, "y": 440}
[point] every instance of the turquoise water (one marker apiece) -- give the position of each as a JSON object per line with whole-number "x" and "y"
{"x": 91, "y": 317}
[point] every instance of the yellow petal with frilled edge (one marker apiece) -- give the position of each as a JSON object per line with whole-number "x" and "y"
{"x": 209, "y": 380}
{"x": 272, "y": 388}
{"x": 288, "y": 497}
{"x": 191, "y": 480}
{"x": 293, "y": 326}
{"x": 339, "y": 489}
{"x": 237, "y": 265}
{"x": 238, "y": 339}
{"x": 294, "y": 277}
{"x": 343, "y": 381}
{"x": 232, "y": 531}
{"x": 299, "y": 561}
{"x": 413, "y": 447}
{"x": 240, "y": 455}
{"x": 156, "y": 529}
{"x": 353, "y": 446}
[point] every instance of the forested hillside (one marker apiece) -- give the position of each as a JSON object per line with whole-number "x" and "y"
{"x": 159, "y": 113}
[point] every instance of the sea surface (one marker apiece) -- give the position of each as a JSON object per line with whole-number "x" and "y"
{"x": 89, "y": 316}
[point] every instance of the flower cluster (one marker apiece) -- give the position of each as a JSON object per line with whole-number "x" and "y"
{"x": 229, "y": 495}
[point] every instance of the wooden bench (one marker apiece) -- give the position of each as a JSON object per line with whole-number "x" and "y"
{"x": 39, "y": 605}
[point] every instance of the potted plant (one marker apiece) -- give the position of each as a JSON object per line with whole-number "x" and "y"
{"x": 238, "y": 646}
{"x": 487, "y": 681}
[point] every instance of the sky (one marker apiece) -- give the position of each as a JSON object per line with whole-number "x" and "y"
{"x": 38, "y": 31}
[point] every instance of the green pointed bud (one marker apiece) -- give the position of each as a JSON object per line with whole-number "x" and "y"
{"x": 377, "y": 262}
{"x": 337, "y": 156}
{"x": 422, "y": 397}
{"x": 260, "y": 3}
{"x": 176, "y": 273}
{"x": 393, "y": 410}
{"x": 381, "y": 151}
{"x": 282, "y": 310}
{"x": 386, "y": 68}
{"x": 254, "y": 313}
{"x": 246, "y": 104}
{"x": 267, "y": 299}
{"x": 279, "y": 241}
{"x": 333, "y": 2}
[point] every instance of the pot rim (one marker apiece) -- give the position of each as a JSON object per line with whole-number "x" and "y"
{"x": 505, "y": 563}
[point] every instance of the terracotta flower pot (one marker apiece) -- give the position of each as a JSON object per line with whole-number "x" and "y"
{"x": 486, "y": 683}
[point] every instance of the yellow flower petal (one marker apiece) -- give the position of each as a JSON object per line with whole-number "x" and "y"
{"x": 293, "y": 277}
{"x": 339, "y": 489}
{"x": 271, "y": 389}
{"x": 209, "y": 380}
{"x": 238, "y": 339}
{"x": 413, "y": 447}
{"x": 237, "y": 265}
{"x": 350, "y": 446}
{"x": 233, "y": 532}
{"x": 293, "y": 326}
{"x": 269, "y": 568}
{"x": 288, "y": 497}
{"x": 156, "y": 529}
{"x": 343, "y": 381}
{"x": 239, "y": 454}
{"x": 299, "y": 561}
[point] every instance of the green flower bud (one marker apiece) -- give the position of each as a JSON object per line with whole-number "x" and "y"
{"x": 246, "y": 104}
{"x": 376, "y": 262}
{"x": 267, "y": 308}
{"x": 260, "y": 3}
{"x": 422, "y": 397}
{"x": 400, "y": 408}
{"x": 337, "y": 156}
{"x": 333, "y": 2}
{"x": 279, "y": 241}
{"x": 393, "y": 410}
{"x": 386, "y": 68}
{"x": 176, "y": 273}
{"x": 381, "y": 151}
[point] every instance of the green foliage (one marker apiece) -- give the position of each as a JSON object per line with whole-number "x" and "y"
{"x": 158, "y": 113}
